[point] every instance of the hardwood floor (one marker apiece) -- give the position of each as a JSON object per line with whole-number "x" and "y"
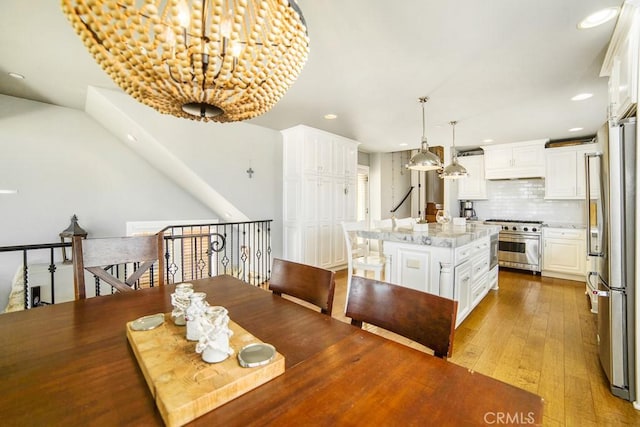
{"x": 538, "y": 334}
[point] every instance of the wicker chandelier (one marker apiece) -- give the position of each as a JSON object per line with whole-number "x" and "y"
{"x": 220, "y": 60}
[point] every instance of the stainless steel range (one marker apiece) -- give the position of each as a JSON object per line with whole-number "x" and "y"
{"x": 519, "y": 244}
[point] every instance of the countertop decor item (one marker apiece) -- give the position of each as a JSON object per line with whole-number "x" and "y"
{"x": 180, "y": 300}
{"x": 217, "y": 60}
{"x": 196, "y": 309}
{"x": 183, "y": 385}
{"x": 214, "y": 341}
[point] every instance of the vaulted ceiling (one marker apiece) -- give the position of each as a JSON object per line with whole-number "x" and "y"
{"x": 505, "y": 70}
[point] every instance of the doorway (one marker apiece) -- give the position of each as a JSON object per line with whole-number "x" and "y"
{"x": 362, "y": 191}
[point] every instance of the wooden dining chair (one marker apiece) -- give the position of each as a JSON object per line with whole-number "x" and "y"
{"x": 94, "y": 255}
{"x": 311, "y": 284}
{"x": 422, "y": 317}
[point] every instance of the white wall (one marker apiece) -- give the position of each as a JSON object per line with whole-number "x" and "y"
{"x": 62, "y": 162}
{"x": 524, "y": 199}
{"x": 217, "y": 153}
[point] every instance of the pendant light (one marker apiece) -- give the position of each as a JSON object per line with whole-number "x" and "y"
{"x": 424, "y": 160}
{"x": 455, "y": 170}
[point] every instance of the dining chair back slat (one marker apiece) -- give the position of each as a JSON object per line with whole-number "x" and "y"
{"x": 422, "y": 317}
{"x": 314, "y": 285}
{"x": 95, "y": 254}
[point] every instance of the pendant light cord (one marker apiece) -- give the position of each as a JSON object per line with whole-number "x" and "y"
{"x": 423, "y": 101}
{"x": 454, "y": 154}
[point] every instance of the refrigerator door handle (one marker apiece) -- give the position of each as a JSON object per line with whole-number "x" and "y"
{"x": 587, "y": 170}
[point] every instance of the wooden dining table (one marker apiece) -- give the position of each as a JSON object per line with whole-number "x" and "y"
{"x": 71, "y": 364}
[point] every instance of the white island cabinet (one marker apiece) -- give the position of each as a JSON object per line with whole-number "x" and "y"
{"x": 449, "y": 261}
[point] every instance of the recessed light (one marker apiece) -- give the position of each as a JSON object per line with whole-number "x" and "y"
{"x": 575, "y": 129}
{"x": 3, "y": 191}
{"x": 598, "y": 18}
{"x": 582, "y": 96}
{"x": 403, "y": 144}
{"x": 131, "y": 138}
{"x": 330, "y": 116}
{"x": 17, "y": 76}
{"x": 487, "y": 140}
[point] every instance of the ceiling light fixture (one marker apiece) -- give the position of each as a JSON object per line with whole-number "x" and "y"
{"x": 220, "y": 60}
{"x": 6, "y": 191}
{"x": 487, "y": 140}
{"x": 16, "y": 76}
{"x": 575, "y": 129}
{"x": 598, "y": 18}
{"x": 330, "y": 116}
{"x": 424, "y": 160}
{"x": 582, "y": 96}
{"x": 455, "y": 170}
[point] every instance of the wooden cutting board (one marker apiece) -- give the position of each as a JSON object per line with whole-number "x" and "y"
{"x": 185, "y": 387}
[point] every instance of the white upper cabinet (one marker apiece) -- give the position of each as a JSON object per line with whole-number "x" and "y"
{"x": 565, "y": 176}
{"x": 319, "y": 192}
{"x": 515, "y": 160}
{"x": 621, "y": 62}
{"x": 474, "y": 186}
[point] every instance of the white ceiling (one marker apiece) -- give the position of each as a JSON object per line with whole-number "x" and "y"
{"x": 504, "y": 69}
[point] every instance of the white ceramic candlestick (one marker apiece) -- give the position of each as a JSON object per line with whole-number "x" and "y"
{"x": 214, "y": 341}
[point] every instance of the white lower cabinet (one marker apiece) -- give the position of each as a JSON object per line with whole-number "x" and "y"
{"x": 564, "y": 253}
{"x": 462, "y": 290}
{"x": 461, "y": 274}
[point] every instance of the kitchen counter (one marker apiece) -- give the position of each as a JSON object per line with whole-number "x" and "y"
{"x": 438, "y": 235}
{"x": 450, "y": 261}
{"x": 572, "y": 226}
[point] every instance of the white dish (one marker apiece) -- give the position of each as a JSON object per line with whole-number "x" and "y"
{"x": 256, "y": 354}
{"x": 147, "y": 323}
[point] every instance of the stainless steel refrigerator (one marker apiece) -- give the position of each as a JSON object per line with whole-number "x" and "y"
{"x": 611, "y": 244}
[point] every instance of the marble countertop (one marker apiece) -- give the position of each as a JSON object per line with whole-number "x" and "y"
{"x": 564, "y": 225}
{"x": 438, "y": 235}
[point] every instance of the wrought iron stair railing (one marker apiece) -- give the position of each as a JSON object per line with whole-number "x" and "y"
{"x": 239, "y": 249}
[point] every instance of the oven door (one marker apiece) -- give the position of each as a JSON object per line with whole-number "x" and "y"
{"x": 519, "y": 250}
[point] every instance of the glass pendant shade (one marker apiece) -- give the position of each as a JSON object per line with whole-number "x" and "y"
{"x": 424, "y": 160}
{"x": 454, "y": 170}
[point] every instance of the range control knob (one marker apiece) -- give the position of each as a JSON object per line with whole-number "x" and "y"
{"x": 534, "y": 229}
{"x": 526, "y": 229}
{"x": 514, "y": 229}
{"x": 504, "y": 227}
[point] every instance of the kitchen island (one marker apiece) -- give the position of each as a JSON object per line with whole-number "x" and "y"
{"x": 446, "y": 260}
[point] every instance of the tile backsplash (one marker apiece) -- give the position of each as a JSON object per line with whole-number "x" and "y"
{"x": 524, "y": 199}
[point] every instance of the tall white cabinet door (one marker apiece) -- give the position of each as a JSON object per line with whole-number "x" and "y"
{"x": 310, "y": 198}
{"x": 474, "y": 186}
{"x": 561, "y": 174}
{"x": 325, "y": 245}
{"x": 462, "y": 290}
{"x": 319, "y": 192}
